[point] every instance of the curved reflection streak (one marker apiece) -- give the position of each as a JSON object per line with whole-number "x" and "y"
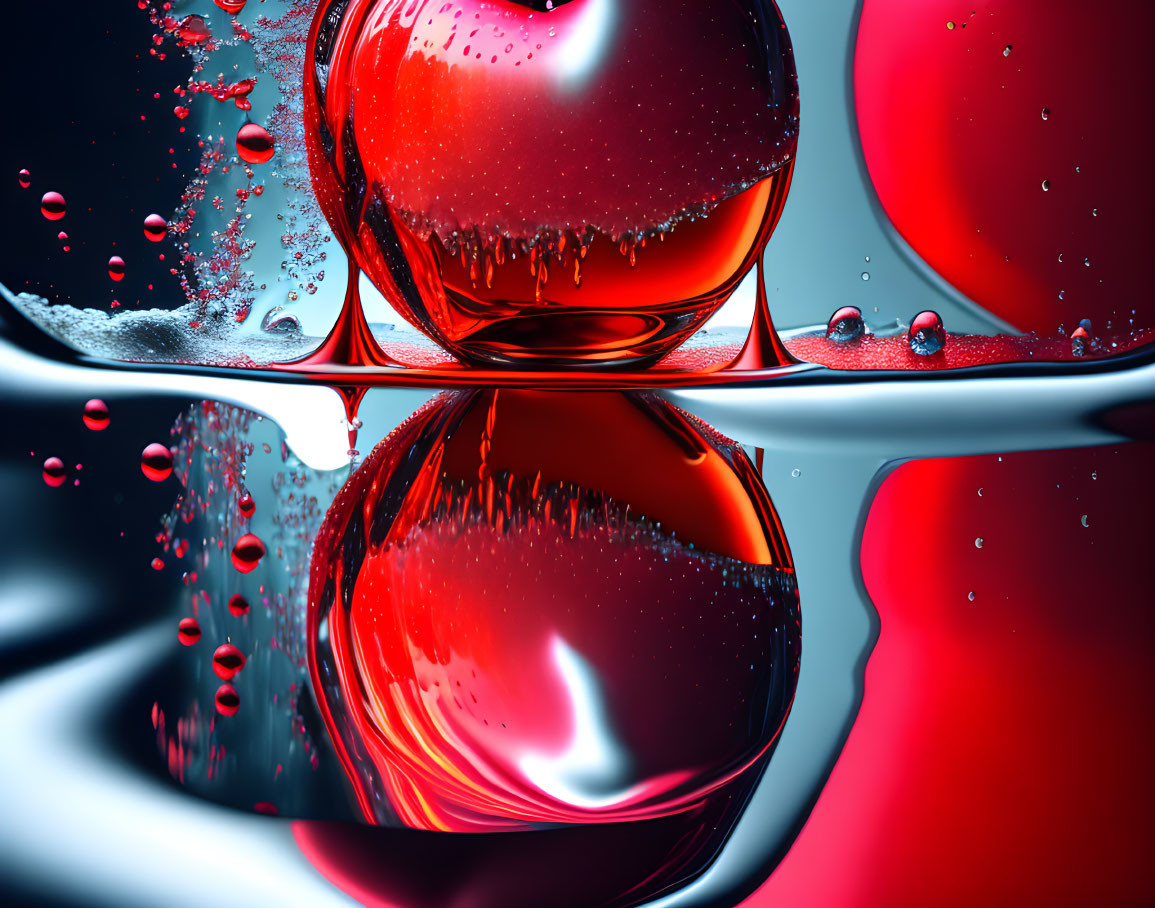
{"x": 79, "y": 824}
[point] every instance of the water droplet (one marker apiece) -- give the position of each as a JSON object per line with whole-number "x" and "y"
{"x": 950, "y": 26}
{"x": 1080, "y": 340}
{"x": 254, "y": 144}
{"x": 979, "y": 542}
{"x": 155, "y": 227}
{"x": 96, "y": 414}
{"x": 1094, "y": 475}
{"x": 188, "y": 631}
{"x": 1007, "y": 50}
{"x": 227, "y": 661}
{"x": 795, "y": 472}
{"x": 1046, "y": 185}
{"x": 1087, "y": 262}
{"x": 227, "y": 701}
{"x": 156, "y": 462}
{"x": 1062, "y": 293}
{"x": 116, "y": 268}
{"x": 927, "y": 335}
{"x": 278, "y": 321}
{"x": 53, "y": 472}
{"x": 1085, "y": 324}
{"x": 246, "y": 505}
{"x": 157, "y": 564}
{"x": 238, "y": 605}
{"x": 1060, "y": 256}
{"x": 24, "y": 178}
{"x": 846, "y": 325}
{"x": 247, "y": 553}
{"x": 52, "y": 206}
{"x": 1094, "y": 212}
{"x": 980, "y": 493}
{"x": 971, "y": 595}
{"x": 1084, "y": 521}
{"x": 1046, "y": 112}
{"x": 866, "y": 275}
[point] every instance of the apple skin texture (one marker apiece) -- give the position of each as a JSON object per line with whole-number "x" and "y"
{"x": 583, "y": 186}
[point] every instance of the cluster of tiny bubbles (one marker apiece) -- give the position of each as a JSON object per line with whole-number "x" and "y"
{"x": 254, "y": 653}
{"x": 927, "y": 335}
{"x": 506, "y": 505}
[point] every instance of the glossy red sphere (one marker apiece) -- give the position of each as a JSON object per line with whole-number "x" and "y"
{"x": 227, "y": 661}
{"x": 96, "y": 416}
{"x": 247, "y": 553}
{"x": 578, "y": 185}
{"x": 538, "y": 608}
{"x": 254, "y": 144}
{"x": 156, "y": 462}
{"x": 188, "y": 631}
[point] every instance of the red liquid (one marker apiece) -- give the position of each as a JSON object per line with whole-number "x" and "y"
{"x": 620, "y": 581}
{"x": 466, "y": 186}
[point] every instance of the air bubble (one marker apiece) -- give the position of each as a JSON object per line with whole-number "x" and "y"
{"x": 927, "y": 335}
{"x": 846, "y": 325}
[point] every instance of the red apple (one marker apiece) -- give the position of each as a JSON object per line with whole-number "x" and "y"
{"x": 584, "y": 184}
{"x": 530, "y": 609}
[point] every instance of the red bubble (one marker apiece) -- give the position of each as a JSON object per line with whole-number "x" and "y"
{"x": 53, "y": 472}
{"x": 155, "y": 228}
{"x": 188, "y": 631}
{"x": 24, "y": 178}
{"x": 156, "y": 462}
{"x": 238, "y": 605}
{"x": 246, "y": 506}
{"x": 96, "y": 415}
{"x": 247, "y": 553}
{"x": 157, "y": 564}
{"x": 227, "y": 700}
{"x": 52, "y": 206}
{"x": 116, "y": 268}
{"x": 227, "y": 661}
{"x": 180, "y": 111}
{"x": 254, "y": 144}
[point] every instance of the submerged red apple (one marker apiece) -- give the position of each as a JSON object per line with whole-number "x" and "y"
{"x": 579, "y": 182}
{"x": 531, "y": 609}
